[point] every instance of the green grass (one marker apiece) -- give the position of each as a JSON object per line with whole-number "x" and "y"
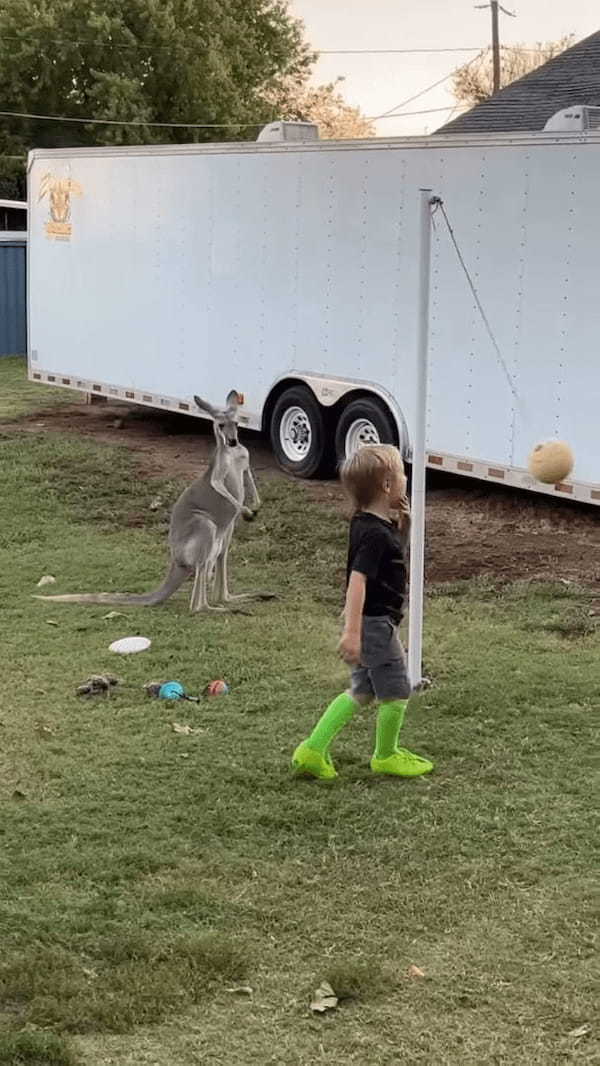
{"x": 35, "y": 1049}
{"x": 19, "y": 397}
{"x": 147, "y": 874}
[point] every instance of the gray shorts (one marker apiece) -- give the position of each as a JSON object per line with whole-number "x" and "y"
{"x": 382, "y": 673}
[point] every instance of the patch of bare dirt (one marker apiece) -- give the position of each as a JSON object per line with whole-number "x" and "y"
{"x": 473, "y": 528}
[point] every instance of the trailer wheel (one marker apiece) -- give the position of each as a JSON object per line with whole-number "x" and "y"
{"x": 364, "y": 421}
{"x": 298, "y": 433}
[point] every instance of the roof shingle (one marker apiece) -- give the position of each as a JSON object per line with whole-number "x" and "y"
{"x": 571, "y": 78}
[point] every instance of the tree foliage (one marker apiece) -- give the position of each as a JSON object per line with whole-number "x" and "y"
{"x": 205, "y": 61}
{"x": 473, "y": 83}
{"x": 324, "y": 105}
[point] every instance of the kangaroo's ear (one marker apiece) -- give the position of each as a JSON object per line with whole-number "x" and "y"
{"x": 233, "y": 400}
{"x": 205, "y": 406}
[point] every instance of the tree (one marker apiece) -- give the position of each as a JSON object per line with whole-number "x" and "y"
{"x": 143, "y": 61}
{"x": 324, "y": 105}
{"x": 473, "y": 83}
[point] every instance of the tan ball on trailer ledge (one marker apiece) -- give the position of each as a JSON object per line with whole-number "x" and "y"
{"x": 551, "y": 462}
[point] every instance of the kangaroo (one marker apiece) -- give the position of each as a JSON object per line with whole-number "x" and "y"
{"x": 202, "y": 524}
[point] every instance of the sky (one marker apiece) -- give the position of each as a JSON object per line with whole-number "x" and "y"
{"x": 378, "y": 83}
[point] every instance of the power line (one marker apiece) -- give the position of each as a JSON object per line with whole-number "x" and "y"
{"x": 135, "y": 45}
{"x": 134, "y": 122}
{"x": 428, "y": 88}
{"x": 390, "y": 51}
{"x": 406, "y": 114}
{"x": 458, "y": 106}
{"x": 119, "y": 46}
{"x": 128, "y": 45}
{"x": 530, "y": 51}
{"x": 189, "y": 125}
{"x": 451, "y": 113}
{"x": 434, "y": 85}
{"x": 422, "y": 51}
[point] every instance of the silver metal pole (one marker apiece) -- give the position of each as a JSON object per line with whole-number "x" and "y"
{"x": 417, "y": 544}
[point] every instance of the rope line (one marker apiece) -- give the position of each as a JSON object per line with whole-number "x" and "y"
{"x": 438, "y": 205}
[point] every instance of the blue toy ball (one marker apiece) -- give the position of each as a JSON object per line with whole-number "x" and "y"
{"x": 171, "y": 690}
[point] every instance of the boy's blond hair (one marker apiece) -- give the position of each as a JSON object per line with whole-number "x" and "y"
{"x": 363, "y": 474}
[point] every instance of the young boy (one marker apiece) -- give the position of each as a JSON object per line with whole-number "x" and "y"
{"x": 376, "y": 591}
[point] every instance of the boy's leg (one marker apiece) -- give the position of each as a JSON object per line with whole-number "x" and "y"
{"x": 390, "y": 717}
{"x": 392, "y": 688}
{"x": 312, "y": 756}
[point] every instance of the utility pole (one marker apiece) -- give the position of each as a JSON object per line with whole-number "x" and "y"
{"x": 495, "y": 45}
{"x": 495, "y": 7}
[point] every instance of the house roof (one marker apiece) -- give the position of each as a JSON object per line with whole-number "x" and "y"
{"x": 571, "y": 78}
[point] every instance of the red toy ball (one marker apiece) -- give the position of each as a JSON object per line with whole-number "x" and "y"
{"x": 217, "y": 688}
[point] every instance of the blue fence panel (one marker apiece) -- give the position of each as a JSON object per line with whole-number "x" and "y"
{"x": 13, "y": 298}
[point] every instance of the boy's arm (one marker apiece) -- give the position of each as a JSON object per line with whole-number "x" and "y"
{"x": 349, "y": 646}
{"x": 404, "y": 517}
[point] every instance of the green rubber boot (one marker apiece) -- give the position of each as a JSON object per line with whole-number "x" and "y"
{"x": 402, "y": 763}
{"x": 311, "y": 763}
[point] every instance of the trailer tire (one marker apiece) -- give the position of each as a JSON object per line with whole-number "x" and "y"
{"x": 364, "y": 421}
{"x": 298, "y": 432}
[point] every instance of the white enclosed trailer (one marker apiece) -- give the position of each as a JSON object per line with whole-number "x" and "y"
{"x": 288, "y": 271}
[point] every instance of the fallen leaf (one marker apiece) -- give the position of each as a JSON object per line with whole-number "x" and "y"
{"x": 113, "y": 614}
{"x": 414, "y": 971}
{"x": 583, "y": 1030}
{"x": 185, "y": 730}
{"x": 51, "y": 622}
{"x": 240, "y": 990}
{"x": 44, "y": 730}
{"x": 156, "y": 503}
{"x": 324, "y": 999}
{"x": 183, "y": 755}
{"x": 47, "y": 579}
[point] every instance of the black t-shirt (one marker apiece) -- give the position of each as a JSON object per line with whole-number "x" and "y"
{"x": 378, "y": 550}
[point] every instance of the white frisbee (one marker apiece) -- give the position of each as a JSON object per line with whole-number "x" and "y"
{"x": 129, "y": 645}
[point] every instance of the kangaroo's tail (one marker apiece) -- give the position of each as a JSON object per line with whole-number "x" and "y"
{"x": 175, "y": 577}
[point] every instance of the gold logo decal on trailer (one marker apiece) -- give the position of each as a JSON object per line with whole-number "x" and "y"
{"x": 59, "y": 192}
